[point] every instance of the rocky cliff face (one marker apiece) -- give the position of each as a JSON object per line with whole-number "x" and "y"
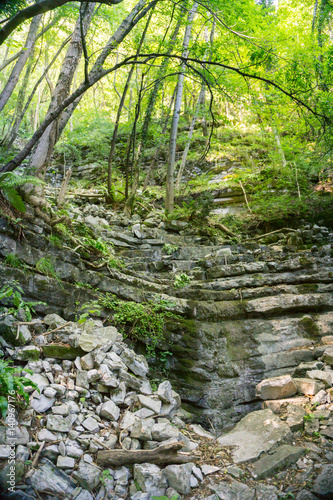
{"x": 249, "y": 312}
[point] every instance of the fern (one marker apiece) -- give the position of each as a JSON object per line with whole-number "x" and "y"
{"x": 9, "y": 181}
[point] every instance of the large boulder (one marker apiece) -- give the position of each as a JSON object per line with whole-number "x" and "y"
{"x": 276, "y": 388}
{"x": 256, "y": 433}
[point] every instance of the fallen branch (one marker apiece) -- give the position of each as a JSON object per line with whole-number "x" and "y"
{"x": 34, "y": 322}
{"x": 99, "y": 266}
{"x": 34, "y": 463}
{"x": 57, "y": 329}
{"x": 283, "y": 230}
{"x": 164, "y": 454}
{"x": 222, "y": 227}
{"x": 247, "y": 201}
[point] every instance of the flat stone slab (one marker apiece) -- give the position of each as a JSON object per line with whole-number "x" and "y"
{"x": 233, "y": 491}
{"x": 284, "y": 455}
{"x": 256, "y": 433}
{"x": 276, "y": 405}
{"x": 276, "y": 388}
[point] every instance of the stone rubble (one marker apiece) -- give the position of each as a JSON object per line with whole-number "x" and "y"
{"x": 84, "y": 402}
{"x": 92, "y": 385}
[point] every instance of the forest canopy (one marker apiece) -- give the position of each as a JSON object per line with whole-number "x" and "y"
{"x": 151, "y": 90}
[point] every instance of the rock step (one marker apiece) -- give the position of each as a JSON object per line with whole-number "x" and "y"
{"x": 267, "y": 279}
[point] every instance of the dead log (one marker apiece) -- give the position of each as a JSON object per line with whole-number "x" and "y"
{"x": 163, "y": 454}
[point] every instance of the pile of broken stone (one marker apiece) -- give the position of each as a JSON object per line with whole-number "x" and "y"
{"x": 94, "y": 395}
{"x": 100, "y": 399}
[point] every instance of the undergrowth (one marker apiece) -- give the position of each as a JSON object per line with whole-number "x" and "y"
{"x": 140, "y": 321}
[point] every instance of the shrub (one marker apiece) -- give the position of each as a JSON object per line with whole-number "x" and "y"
{"x": 12, "y": 386}
{"x": 12, "y": 292}
{"x": 140, "y": 321}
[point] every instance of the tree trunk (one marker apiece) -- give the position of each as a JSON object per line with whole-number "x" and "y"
{"x": 154, "y": 92}
{"x": 45, "y": 146}
{"x": 159, "y": 147}
{"x": 24, "y": 56}
{"x": 279, "y": 146}
{"x": 170, "y": 194}
{"x": 12, "y": 132}
{"x": 120, "y": 108}
{"x": 137, "y": 13}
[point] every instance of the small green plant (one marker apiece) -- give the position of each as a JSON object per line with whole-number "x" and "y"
{"x": 13, "y": 261}
{"x": 181, "y": 280}
{"x": 316, "y": 435}
{"x": 139, "y": 321}
{"x": 80, "y": 284}
{"x": 12, "y": 386}
{"x": 115, "y": 263}
{"x": 55, "y": 240}
{"x": 163, "y": 497}
{"x": 309, "y": 417}
{"x": 89, "y": 309}
{"x": 45, "y": 266}
{"x": 105, "y": 475}
{"x": 12, "y": 292}
{"x": 96, "y": 245}
{"x": 169, "y": 249}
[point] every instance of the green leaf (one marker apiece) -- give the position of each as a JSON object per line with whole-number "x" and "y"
{"x": 3, "y": 406}
{"x": 14, "y": 199}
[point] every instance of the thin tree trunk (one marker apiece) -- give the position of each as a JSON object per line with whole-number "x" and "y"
{"x": 158, "y": 150}
{"x": 24, "y": 56}
{"x": 279, "y": 146}
{"x": 137, "y": 13}
{"x": 314, "y": 15}
{"x": 200, "y": 104}
{"x": 120, "y": 108}
{"x": 170, "y": 194}
{"x": 19, "y": 119}
{"x": 12, "y": 132}
{"x": 190, "y": 134}
{"x": 157, "y": 85}
{"x": 45, "y": 146}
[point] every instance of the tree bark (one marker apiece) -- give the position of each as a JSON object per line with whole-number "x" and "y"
{"x": 163, "y": 454}
{"x": 170, "y": 193}
{"x": 45, "y": 146}
{"x": 154, "y": 92}
{"x": 137, "y": 13}
{"x": 120, "y": 108}
{"x": 24, "y": 56}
